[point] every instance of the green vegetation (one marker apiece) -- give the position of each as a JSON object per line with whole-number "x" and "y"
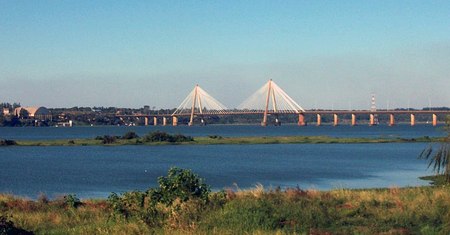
{"x": 184, "y": 204}
{"x": 162, "y": 138}
{"x": 7, "y": 142}
{"x": 439, "y": 158}
{"x": 159, "y": 136}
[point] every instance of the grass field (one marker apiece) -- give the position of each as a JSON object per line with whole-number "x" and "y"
{"x": 419, "y": 210}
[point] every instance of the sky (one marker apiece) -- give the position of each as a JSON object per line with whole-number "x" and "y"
{"x": 324, "y": 54}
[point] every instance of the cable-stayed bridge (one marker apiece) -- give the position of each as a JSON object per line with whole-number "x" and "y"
{"x": 270, "y": 100}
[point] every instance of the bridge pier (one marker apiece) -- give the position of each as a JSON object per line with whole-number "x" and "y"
{"x": 164, "y": 121}
{"x": 434, "y": 119}
{"x": 372, "y": 119}
{"x": 413, "y": 120}
{"x": 319, "y": 120}
{"x": 336, "y": 119}
{"x": 146, "y": 121}
{"x": 301, "y": 119}
{"x": 155, "y": 121}
{"x": 174, "y": 121}
{"x": 391, "y": 119}
{"x": 353, "y": 119}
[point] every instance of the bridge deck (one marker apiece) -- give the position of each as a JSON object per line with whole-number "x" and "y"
{"x": 321, "y": 112}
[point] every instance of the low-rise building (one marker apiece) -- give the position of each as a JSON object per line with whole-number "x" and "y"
{"x": 41, "y": 113}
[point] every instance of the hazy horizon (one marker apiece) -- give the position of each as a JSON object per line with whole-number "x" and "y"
{"x": 324, "y": 54}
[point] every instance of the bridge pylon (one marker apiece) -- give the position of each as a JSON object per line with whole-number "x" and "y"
{"x": 199, "y": 103}
{"x": 271, "y": 99}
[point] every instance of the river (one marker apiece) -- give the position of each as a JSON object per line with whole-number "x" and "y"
{"x": 96, "y": 171}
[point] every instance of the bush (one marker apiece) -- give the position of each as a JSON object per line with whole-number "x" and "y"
{"x": 7, "y": 227}
{"x": 7, "y": 142}
{"x": 180, "y": 184}
{"x": 159, "y": 136}
{"x": 107, "y": 139}
{"x": 178, "y": 202}
{"x": 130, "y": 135}
{"x": 72, "y": 201}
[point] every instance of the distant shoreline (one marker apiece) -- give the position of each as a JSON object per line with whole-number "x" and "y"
{"x": 219, "y": 140}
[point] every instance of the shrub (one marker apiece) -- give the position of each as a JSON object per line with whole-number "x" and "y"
{"x": 215, "y": 137}
{"x": 7, "y": 227}
{"x": 130, "y": 135}
{"x": 107, "y": 139}
{"x": 7, "y": 142}
{"x": 180, "y": 184}
{"x": 159, "y": 136}
{"x": 72, "y": 201}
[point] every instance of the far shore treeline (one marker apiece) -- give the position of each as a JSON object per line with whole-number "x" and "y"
{"x": 97, "y": 116}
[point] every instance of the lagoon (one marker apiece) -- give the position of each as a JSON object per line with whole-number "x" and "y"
{"x": 95, "y": 171}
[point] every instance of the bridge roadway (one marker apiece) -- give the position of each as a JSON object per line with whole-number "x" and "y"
{"x": 301, "y": 115}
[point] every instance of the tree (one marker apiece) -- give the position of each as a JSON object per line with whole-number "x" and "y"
{"x": 180, "y": 184}
{"x": 439, "y": 157}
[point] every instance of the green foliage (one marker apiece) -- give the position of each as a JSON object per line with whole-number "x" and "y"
{"x": 215, "y": 137}
{"x": 439, "y": 158}
{"x": 159, "y": 136}
{"x": 418, "y": 210}
{"x": 107, "y": 139}
{"x": 7, "y": 227}
{"x": 130, "y": 135}
{"x": 7, "y": 142}
{"x": 180, "y": 184}
{"x": 72, "y": 201}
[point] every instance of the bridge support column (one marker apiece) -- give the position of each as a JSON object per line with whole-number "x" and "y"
{"x": 413, "y": 120}
{"x": 372, "y": 119}
{"x": 174, "y": 121}
{"x": 155, "y": 121}
{"x": 434, "y": 119}
{"x": 336, "y": 119}
{"x": 146, "y": 121}
{"x": 319, "y": 120}
{"x": 264, "y": 121}
{"x": 391, "y": 120}
{"x": 164, "y": 121}
{"x": 301, "y": 119}
{"x": 353, "y": 119}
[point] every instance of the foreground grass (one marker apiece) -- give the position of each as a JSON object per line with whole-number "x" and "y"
{"x": 419, "y": 210}
{"x": 212, "y": 140}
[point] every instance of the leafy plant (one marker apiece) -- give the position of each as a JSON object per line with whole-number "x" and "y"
{"x": 107, "y": 139}
{"x": 130, "y": 135}
{"x": 439, "y": 158}
{"x": 7, "y": 142}
{"x": 7, "y": 227}
{"x": 180, "y": 184}
{"x": 159, "y": 136}
{"x": 72, "y": 201}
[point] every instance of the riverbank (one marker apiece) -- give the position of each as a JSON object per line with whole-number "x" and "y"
{"x": 418, "y": 210}
{"x": 215, "y": 140}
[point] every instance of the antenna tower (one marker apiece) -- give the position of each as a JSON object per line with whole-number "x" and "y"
{"x": 373, "y": 108}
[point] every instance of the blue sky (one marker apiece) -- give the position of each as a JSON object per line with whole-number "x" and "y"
{"x": 325, "y": 54}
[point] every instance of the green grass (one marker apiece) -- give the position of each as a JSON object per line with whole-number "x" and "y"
{"x": 228, "y": 140}
{"x": 417, "y": 210}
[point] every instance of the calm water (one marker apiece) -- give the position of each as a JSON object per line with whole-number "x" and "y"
{"x": 405, "y": 131}
{"x": 96, "y": 171}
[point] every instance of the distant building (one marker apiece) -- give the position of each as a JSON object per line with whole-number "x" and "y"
{"x": 41, "y": 113}
{"x": 6, "y": 111}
